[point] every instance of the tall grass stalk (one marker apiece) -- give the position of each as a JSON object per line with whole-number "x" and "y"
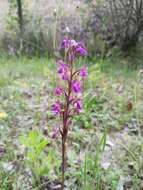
{"x": 92, "y": 171}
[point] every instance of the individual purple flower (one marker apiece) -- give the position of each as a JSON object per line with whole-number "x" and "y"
{"x": 58, "y": 91}
{"x": 63, "y": 70}
{"x": 56, "y": 108}
{"x": 62, "y": 67}
{"x": 65, "y": 76}
{"x": 76, "y": 86}
{"x": 83, "y": 72}
{"x": 80, "y": 50}
{"x": 77, "y": 105}
{"x": 65, "y": 43}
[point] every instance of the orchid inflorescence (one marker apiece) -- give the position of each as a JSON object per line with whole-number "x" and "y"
{"x": 69, "y": 99}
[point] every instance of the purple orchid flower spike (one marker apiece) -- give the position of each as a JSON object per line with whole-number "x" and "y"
{"x": 69, "y": 101}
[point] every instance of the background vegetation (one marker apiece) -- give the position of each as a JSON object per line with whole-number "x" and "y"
{"x": 35, "y": 28}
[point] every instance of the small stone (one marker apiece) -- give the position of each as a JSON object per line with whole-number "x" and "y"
{"x": 8, "y": 166}
{"x": 109, "y": 143}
